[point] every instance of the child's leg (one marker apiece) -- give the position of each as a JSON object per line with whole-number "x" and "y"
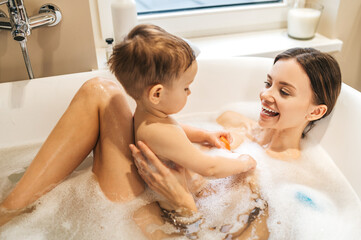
{"x": 82, "y": 127}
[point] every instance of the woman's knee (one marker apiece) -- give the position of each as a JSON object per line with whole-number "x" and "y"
{"x": 100, "y": 86}
{"x": 101, "y": 90}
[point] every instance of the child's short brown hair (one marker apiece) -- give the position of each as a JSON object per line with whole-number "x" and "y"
{"x": 147, "y": 56}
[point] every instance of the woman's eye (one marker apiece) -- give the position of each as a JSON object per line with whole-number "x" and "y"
{"x": 186, "y": 89}
{"x": 267, "y": 84}
{"x": 285, "y": 93}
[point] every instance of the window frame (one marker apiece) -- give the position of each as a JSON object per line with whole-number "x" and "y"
{"x": 212, "y": 21}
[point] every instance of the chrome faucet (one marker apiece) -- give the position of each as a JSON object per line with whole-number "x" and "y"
{"x": 21, "y": 25}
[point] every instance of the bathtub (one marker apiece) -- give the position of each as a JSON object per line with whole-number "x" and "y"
{"x": 30, "y": 109}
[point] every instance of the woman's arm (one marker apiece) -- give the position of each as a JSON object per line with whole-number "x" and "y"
{"x": 169, "y": 187}
{"x": 230, "y": 119}
{"x": 162, "y": 179}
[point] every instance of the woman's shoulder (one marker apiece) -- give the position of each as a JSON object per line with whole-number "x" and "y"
{"x": 231, "y": 119}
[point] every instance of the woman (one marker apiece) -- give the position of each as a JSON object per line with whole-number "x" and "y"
{"x": 93, "y": 115}
{"x": 301, "y": 88}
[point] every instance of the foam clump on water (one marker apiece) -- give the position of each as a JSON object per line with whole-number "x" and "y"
{"x": 309, "y": 198}
{"x": 77, "y": 209}
{"x": 226, "y": 209}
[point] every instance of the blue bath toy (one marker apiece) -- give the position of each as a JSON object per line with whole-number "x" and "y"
{"x": 306, "y": 200}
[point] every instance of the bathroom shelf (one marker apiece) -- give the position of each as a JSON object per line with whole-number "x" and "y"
{"x": 261, "y": 44}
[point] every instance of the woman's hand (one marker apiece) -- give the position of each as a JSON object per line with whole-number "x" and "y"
{"x": 161, "y": 179}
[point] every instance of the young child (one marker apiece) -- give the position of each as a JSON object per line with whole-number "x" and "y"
{"x": 156, "y": 68}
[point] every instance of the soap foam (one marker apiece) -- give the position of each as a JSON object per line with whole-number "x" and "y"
{"x": 307, "y": 198}
{"x": 77, "y": 209}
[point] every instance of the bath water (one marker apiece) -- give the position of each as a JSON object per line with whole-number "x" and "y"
{"x": 307, "y": 198}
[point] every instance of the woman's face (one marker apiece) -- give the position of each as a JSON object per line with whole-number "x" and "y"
{"x": 287, "y": 97}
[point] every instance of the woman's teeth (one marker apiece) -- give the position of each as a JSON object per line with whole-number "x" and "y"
{"x": 269, "y": 112}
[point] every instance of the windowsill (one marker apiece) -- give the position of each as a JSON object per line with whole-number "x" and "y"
{"x": 262, "y": 44}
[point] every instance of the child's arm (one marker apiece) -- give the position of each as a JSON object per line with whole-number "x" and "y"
{"x": 197, "y": 135}
{"x": 168, "y": 141}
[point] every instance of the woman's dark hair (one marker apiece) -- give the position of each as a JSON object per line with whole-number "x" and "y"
{"x": 324, "y": 74}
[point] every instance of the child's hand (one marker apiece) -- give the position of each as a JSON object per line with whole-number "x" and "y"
{"x": 214, "y": 139}
{"x": 249, "y": 162}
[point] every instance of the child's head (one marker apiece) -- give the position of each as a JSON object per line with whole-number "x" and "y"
{"x": 149, "y": 56}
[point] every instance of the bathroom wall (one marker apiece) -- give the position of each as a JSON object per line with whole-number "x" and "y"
{"x": 342, "y": 20}
{"x": 65, "y": 48}
{"x": 98, "y": 38}
{"x": 348, "y": 29}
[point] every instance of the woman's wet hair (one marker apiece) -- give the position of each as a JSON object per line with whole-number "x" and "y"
{"x": 324, "y": 74}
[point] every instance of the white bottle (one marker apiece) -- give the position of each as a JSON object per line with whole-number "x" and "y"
{"x": 124, "y": 15}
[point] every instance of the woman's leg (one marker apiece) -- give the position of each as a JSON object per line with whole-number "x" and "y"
{"x": 257, "y": 229}
{"x": 83, "y": 126}
{"x": 113, "y": 163}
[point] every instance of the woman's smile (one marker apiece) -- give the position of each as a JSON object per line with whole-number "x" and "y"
{"x": 269, "y": 112}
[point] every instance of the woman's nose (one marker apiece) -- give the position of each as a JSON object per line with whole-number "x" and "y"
{"x": 267, "y": 95}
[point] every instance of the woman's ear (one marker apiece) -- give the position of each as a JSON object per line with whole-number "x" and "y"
{"x": 317, "y": 112}
{"x": 155, "y": 93}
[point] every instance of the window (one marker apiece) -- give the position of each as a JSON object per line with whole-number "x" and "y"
{"x": 161, "y": 6}
{"x": 197, "y": 18}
